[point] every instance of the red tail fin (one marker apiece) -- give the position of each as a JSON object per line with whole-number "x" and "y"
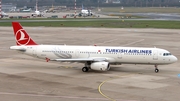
{"x": 21, "y": 37}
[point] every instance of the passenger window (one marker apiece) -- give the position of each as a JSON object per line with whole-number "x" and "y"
{"x": 164, "y": 54}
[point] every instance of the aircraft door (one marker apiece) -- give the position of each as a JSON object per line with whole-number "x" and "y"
{"x": 34, "y": 51}
{"x": 155, "y": 55}
{"x": 86, "y": 54}
{"x": 77, "y": 53}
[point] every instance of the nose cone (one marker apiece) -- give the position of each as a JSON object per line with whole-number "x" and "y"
{"x": 174, "y": 59}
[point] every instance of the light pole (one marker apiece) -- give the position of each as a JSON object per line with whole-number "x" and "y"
{"x": 0, "y": 9}
{"x": 98, "y": 5}
{"x": 75, "y": 6}
{"x": 146, "y": 3}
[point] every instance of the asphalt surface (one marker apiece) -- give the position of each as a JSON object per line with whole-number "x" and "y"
{"x": 24, "y": 78}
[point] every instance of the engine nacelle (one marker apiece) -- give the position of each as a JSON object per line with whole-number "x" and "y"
{"x": 100, "y": 66}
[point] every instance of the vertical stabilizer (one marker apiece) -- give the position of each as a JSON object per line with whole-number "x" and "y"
{"x": 36, "y": 5}
{"x": 21, "y": 36}
{"x": 82, "y": 7}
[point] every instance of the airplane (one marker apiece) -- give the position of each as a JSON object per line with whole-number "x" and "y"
{"x": 37, "y": 13}
{"x": 27, "y": 10}
{"x": 85, "y": 12}
{"x": 97, "y": 58}
{"x": 3, "y": 14}
{"x": 50, "y": 10}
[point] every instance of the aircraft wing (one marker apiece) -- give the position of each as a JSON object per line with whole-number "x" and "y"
{"x": 80, "y": 59}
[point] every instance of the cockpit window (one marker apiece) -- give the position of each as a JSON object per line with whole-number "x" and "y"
{"x": 166, "y": 54}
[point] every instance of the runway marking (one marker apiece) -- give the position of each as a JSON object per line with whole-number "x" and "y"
{"x": 50, "y": 96}
{"x": 133, "y": 42}
{"x": 115, "y": 77}
{"x": 99, "y": 89}
{"x": 107, "y": 41}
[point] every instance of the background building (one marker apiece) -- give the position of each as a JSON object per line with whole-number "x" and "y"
{"x": 8, "y": 7}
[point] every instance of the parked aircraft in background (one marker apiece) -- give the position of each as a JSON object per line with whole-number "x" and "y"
{"x": 27, "y": 10}
{"x": 94, "y": 57}
{"x": 50, "y": 10}
{"x": 4, "y": 14}
{"x": 37, "y": 12}
{"x": 85, "y": 12}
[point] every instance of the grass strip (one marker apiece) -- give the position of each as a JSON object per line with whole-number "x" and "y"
{"x": 103, "y": 24}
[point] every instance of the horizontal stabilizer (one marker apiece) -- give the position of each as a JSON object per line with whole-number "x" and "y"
{"x": 20, "y": 48}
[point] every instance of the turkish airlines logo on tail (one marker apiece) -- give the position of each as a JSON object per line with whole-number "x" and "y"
{"x": 21, "y": 37}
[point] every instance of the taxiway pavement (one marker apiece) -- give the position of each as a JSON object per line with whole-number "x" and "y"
{"x": 24, "y": 78}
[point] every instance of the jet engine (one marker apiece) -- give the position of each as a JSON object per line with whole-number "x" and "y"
{"x": 100, "y": 66}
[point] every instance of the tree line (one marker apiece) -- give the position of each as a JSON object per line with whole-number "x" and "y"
{"x": 95, "y": 3}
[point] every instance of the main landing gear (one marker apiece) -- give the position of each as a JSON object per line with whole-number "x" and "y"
{"x": 156, "y": 69}
{"x": 86, "y": 67}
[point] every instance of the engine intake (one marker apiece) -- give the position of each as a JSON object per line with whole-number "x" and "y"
{"x": 100, "y": 66}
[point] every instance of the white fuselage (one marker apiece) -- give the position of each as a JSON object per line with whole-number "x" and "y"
{"x": 87, "y": 12}
{"x": 113, "y": 55}
{"x": 4, "y": 14}
{"x": 37, "y": 12}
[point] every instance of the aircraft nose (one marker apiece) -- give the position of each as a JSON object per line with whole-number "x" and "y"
{"x": 174, "y": 59}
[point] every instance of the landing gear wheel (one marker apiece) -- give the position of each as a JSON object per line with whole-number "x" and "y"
{"x": 156, "y": 70}
{"x": 85, "y": 69}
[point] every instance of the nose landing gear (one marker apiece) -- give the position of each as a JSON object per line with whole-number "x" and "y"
{"x": 156, "y": 69}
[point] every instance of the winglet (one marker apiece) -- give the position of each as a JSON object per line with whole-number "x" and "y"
{"x": 21, "y": 36}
